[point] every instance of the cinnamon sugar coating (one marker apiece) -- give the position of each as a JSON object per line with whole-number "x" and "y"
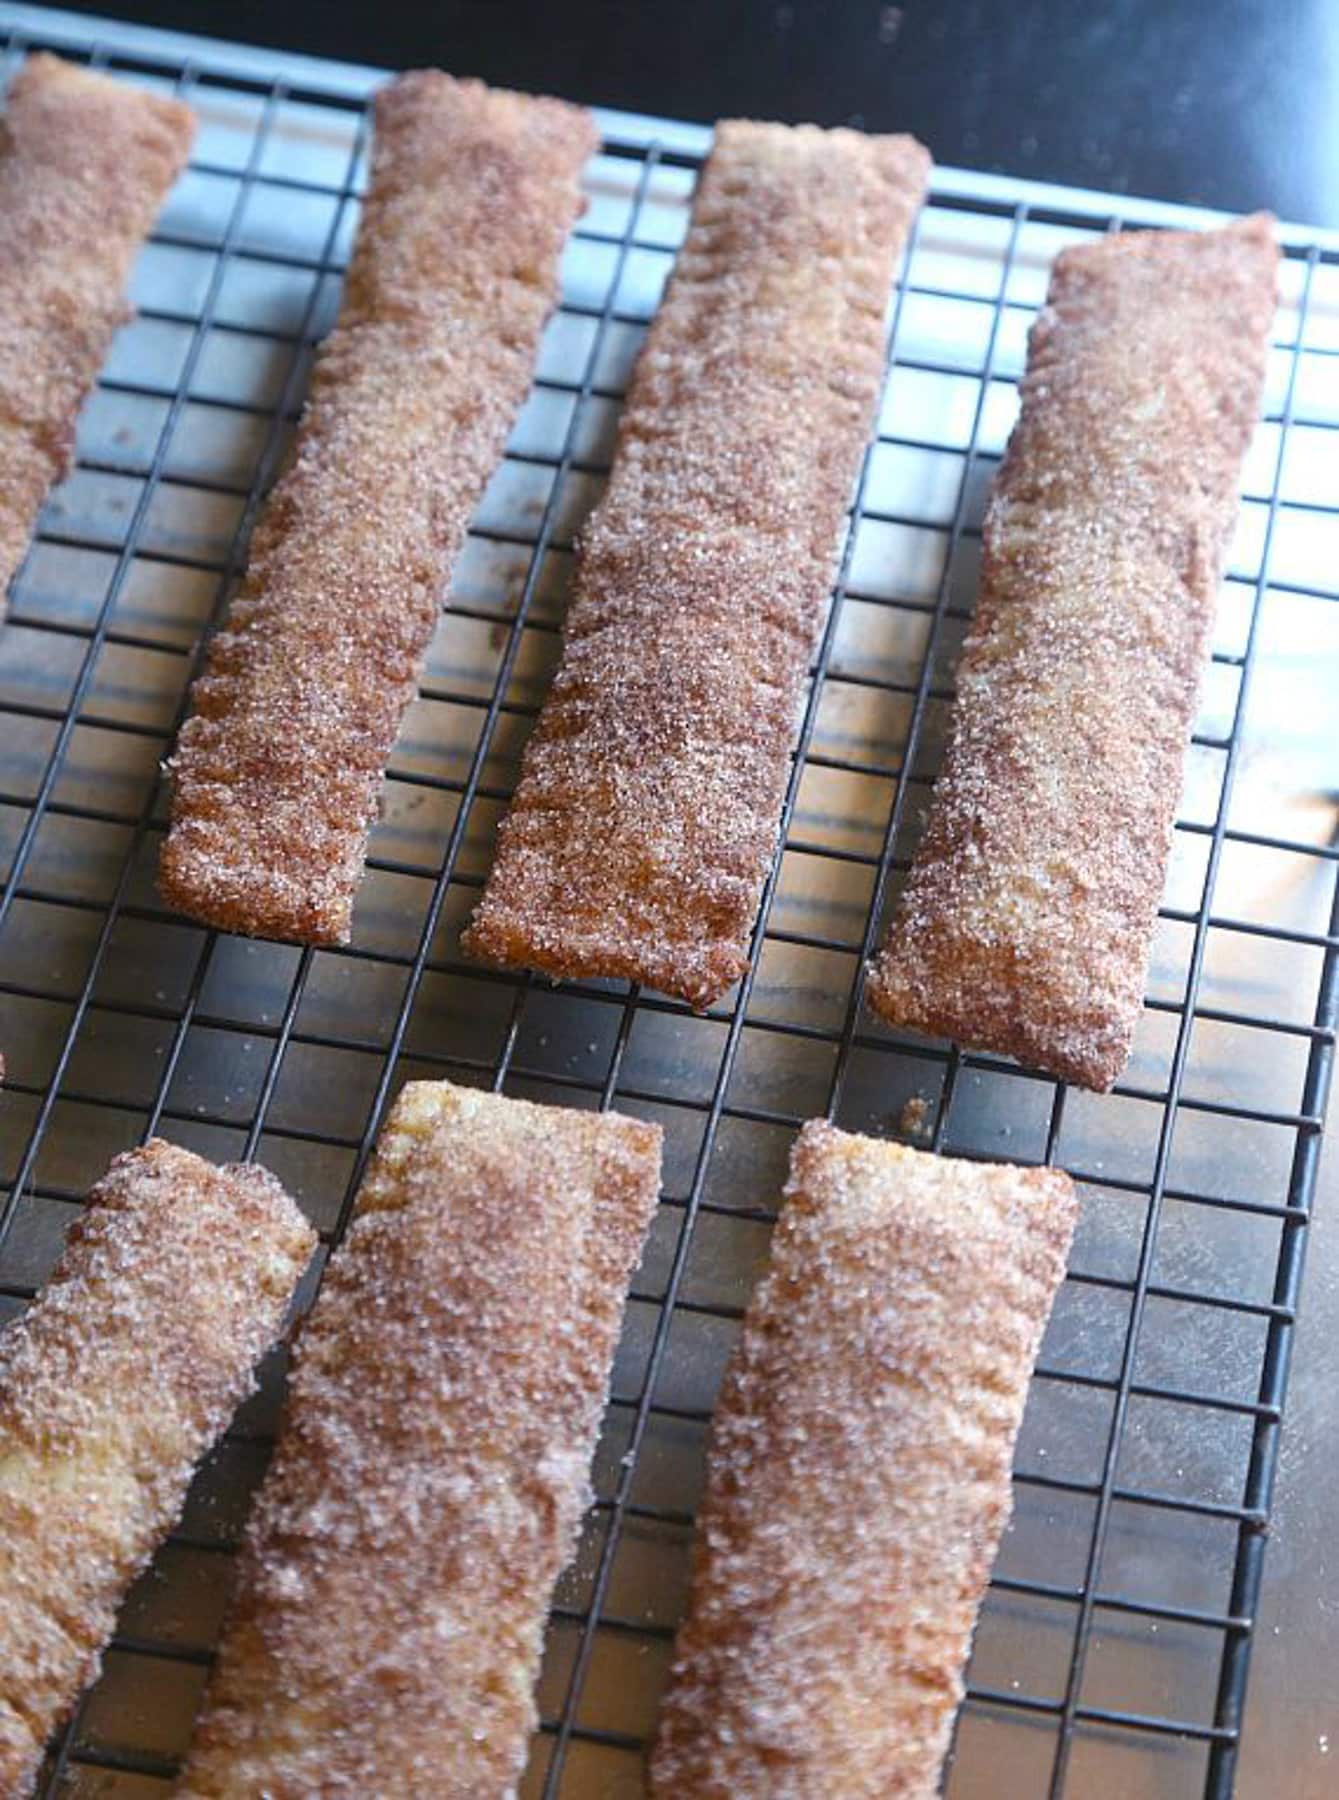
{"x": 278, "y": 773}
{"x": 1028, "y": 915}
{"x": 647, "y": 811}
{"x": 85, "y": 164}
{"x": 858, "y": 1474}
{"x": 113, "y": 1384}
{"x": 434, "y": 1462}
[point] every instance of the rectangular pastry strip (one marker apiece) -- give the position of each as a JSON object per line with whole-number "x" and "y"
{"x": 647, "y": 811}
{"x": 85, "y": 165}
{"x": 858, "y": 1474}
{"x": 434, "y": 1464}
{"x": 1027, "y": 919}
{"x": 278, "y": 773}
{"x": 113, "y": 1384}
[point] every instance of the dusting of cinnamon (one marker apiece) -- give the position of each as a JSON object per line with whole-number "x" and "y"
{"x": 85, "y": 164}
{"x": 1027, "y": 919}
{"x": 113, "y": 1384}
{"x": 278, "y": 773}
{"x": 647, "y": 812}
{"x": 434, "y": 1463}
{"x": 858, "y": 1474}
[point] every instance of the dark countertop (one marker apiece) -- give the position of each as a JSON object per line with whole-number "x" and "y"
{"x": 1231, "y": 104}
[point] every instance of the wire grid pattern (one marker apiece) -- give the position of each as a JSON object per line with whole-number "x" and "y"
{"x": 1113, "y": 1648}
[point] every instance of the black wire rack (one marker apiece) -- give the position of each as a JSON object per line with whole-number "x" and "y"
{"x": 1114, "y": 1646}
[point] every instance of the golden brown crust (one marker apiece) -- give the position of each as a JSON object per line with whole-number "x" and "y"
{"x": 113, "y": 1384}
{"x": 858, "y": 1474}
{"x": 647, "y": 811}
{"x": 278, "y": 773}
{"x": 85, "y": 164}
{"x": 434, "y": 1462}
{"x": 1028, "y": 915}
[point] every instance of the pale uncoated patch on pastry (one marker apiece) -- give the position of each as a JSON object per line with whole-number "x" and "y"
{"x": 434, "y": 1463}
{"x": 650, "y": 798}
{"x": 1027, "y": 919}
{"x": 278, "y": 772}
{"x": 113, "y": 1384}
{"x": 85, "y": 164}
{"x": 858, "y": 1474}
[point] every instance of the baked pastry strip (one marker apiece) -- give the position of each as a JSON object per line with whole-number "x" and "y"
{"x": 858, "y": 1474}
{"x": 113, "y": 1384}
{"x": 85, "y": 164}
{"x": 1027, "y": 919}
{"x": 278, "y": 772}
{"x": 434, "y": 1463}
{"x": 649, "y": 801}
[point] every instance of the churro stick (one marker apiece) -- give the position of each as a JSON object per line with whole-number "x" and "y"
{"x": 1028, "y": 916}
{"x": 649, "y": 802}
{"x": 85, "y": 164}
{"x": 434, "y": 1463}
{"x": 858, "y": 1475}
{"x": 278, "y": 773}
{"x": 113, "y": 1385}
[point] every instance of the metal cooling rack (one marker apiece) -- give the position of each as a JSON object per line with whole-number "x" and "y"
{"x": 1113, "y": 1651}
